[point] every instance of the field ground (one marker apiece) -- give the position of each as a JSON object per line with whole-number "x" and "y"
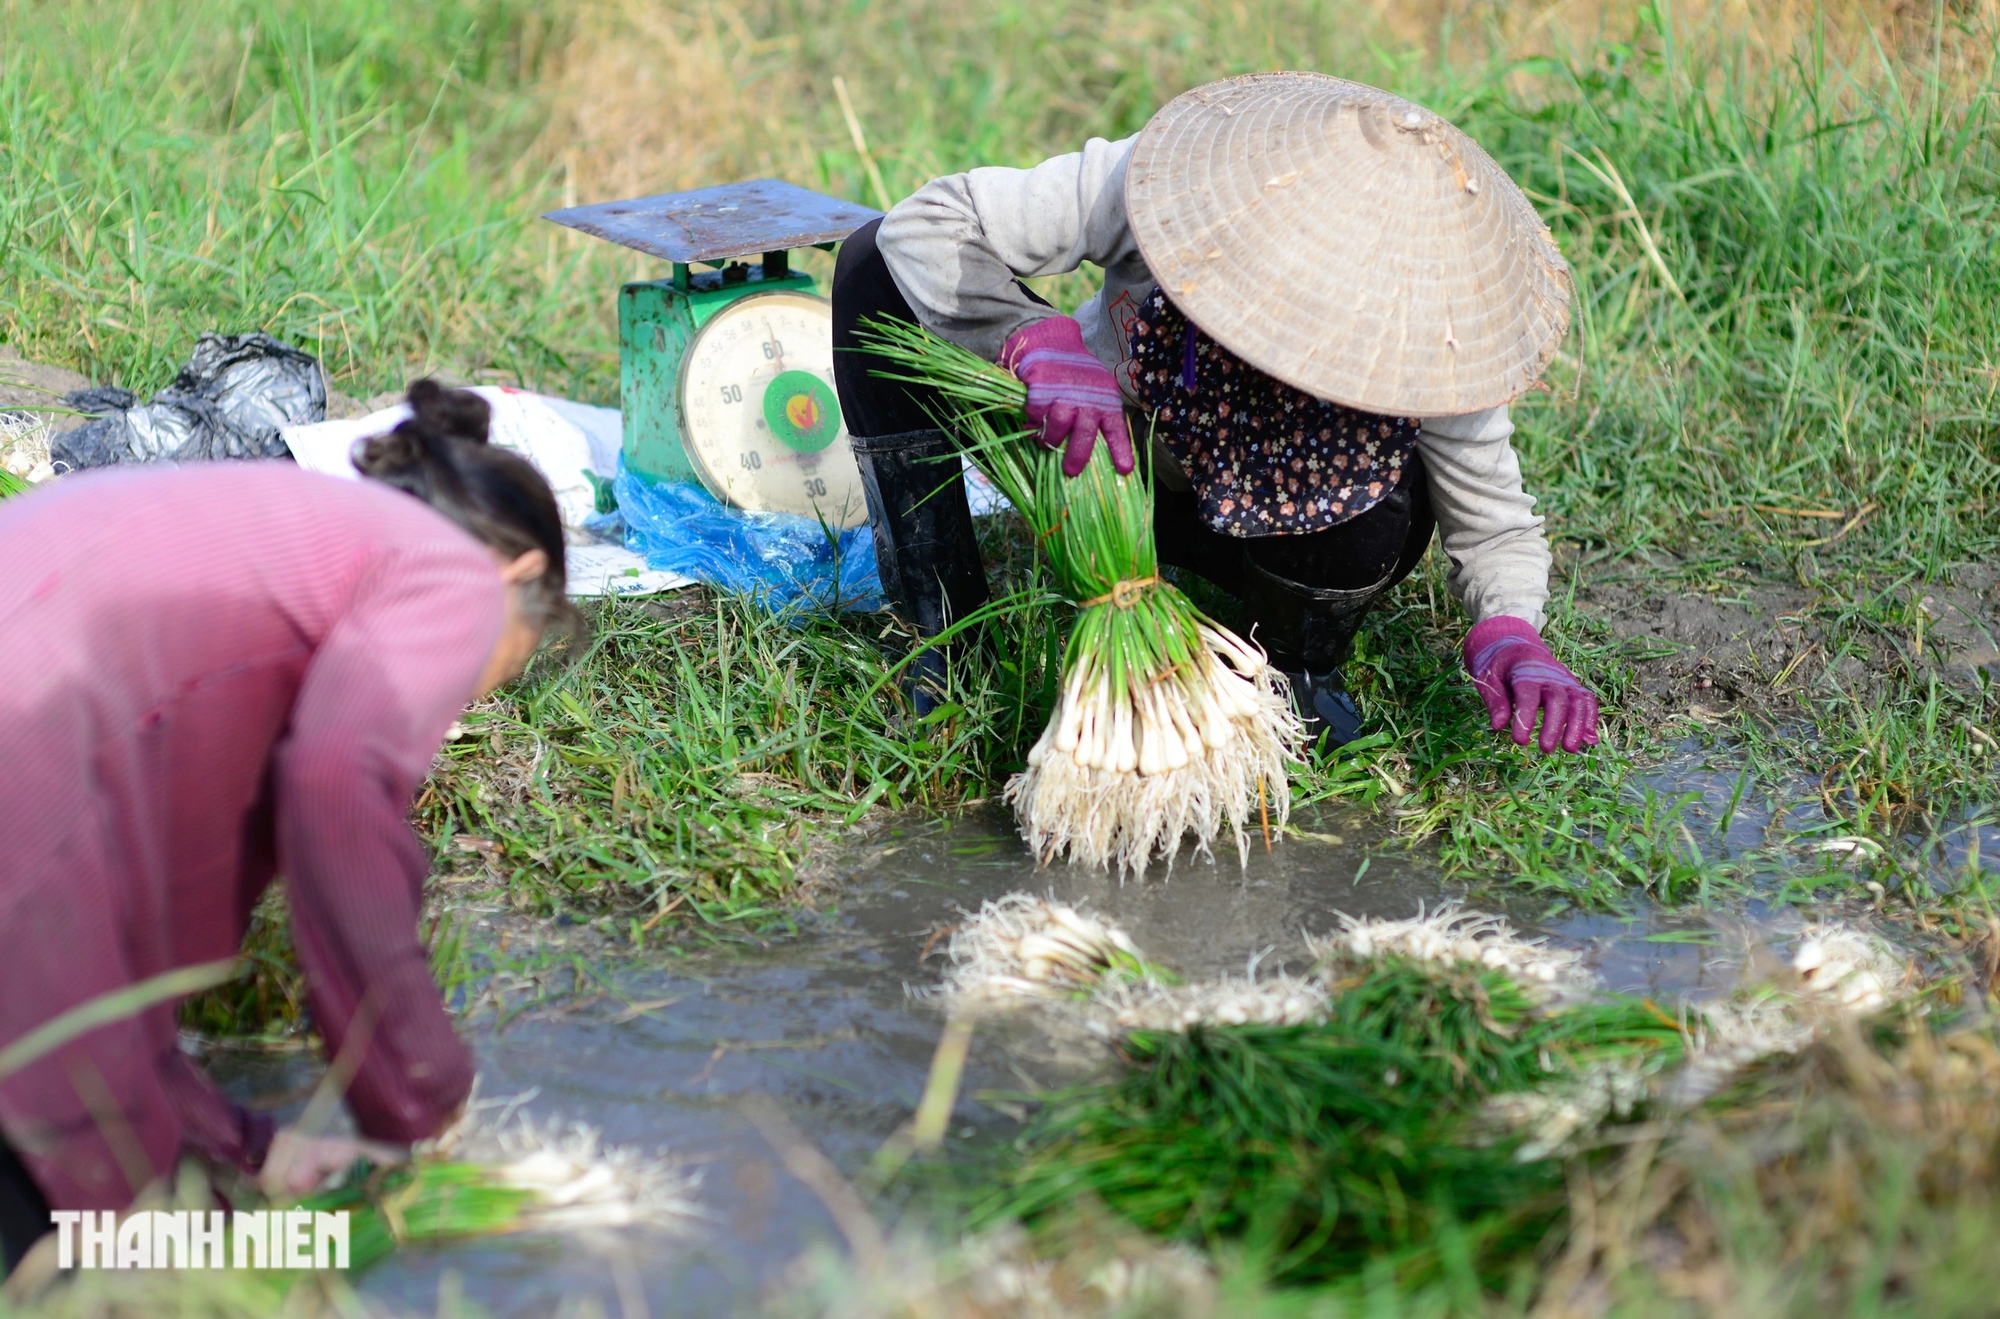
{"x": 1769, "y": 456}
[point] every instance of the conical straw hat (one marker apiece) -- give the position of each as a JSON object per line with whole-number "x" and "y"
{"x": 1349, "y": 243}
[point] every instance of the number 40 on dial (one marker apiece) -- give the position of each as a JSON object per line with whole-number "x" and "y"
{"x": 760, "y": 414}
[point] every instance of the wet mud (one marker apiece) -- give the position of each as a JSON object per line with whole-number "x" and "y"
{"x": 1759, "y": 646}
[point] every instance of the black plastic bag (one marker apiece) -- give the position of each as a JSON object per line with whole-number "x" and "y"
{"x": 230, "y": 401}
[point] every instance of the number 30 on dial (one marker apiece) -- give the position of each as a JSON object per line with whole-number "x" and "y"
{"x": 759, "y": 413}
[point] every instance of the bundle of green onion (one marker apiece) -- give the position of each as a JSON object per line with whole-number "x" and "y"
{"x": 10, "y": 484}
{"x": 523, "y": 1177}
{"x": 426, "y": 1202}
{"x": 1168, "y": 724}
{"x": 1410, "y": 1112}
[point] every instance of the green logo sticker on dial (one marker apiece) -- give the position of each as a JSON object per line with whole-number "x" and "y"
{"x": 801, "y": 410}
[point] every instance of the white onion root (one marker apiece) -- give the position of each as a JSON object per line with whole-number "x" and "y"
{"x": 1117, "y": 783}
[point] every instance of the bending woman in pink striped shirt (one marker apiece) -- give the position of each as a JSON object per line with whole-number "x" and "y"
{"x": 213, "y": 675}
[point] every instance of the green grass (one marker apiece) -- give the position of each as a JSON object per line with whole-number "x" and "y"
{"x": 689, "y": 759}
{"x": 322, "y": 172}
{"x": 1816, "y": 332}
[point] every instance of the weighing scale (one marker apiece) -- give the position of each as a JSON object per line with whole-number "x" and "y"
{"x": 726, "y": 374}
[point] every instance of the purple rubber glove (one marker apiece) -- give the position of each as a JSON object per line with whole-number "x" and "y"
{"x": 1517, "y": 677}
{"x": 1071, "y": 395}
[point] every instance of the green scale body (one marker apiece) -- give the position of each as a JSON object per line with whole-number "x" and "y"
{"x": 726, "y": 374}
{"x": 657, "y": 320}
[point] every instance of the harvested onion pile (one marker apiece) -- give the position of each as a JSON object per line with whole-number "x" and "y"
{"x": 1168, "y": 724}
{"x": 1024, "y": 947}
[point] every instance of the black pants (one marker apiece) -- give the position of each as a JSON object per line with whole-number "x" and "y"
{"x": 1385, "y": 542}
{"x": 24, "y": 1214}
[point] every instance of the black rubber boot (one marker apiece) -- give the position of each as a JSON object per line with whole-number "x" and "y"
{"x": 925, "y": 548}
{"x": 1309, "y": 633}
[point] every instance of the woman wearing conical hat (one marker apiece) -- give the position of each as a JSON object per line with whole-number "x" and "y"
{"x": 1319, "y": 298}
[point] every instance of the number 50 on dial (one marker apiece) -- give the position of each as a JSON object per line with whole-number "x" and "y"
{"x": 759, "y": 413}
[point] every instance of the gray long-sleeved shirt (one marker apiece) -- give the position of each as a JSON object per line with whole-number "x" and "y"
{"x": 956, "y": 246}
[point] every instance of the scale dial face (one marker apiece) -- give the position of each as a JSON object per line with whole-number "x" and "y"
{"x": 759, "y": 413}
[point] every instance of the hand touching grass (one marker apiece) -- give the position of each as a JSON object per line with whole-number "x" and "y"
{"x": 1518, "y": 677}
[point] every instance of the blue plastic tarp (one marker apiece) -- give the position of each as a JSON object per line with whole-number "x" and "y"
{"x": 784, "y": 560}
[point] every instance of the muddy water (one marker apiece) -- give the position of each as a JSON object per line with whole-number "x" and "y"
{"x": 823, "y": 1025}
{"x": 1733, "y": 814}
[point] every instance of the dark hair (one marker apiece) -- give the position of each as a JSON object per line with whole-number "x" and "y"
{"x": 440, "y": 455}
